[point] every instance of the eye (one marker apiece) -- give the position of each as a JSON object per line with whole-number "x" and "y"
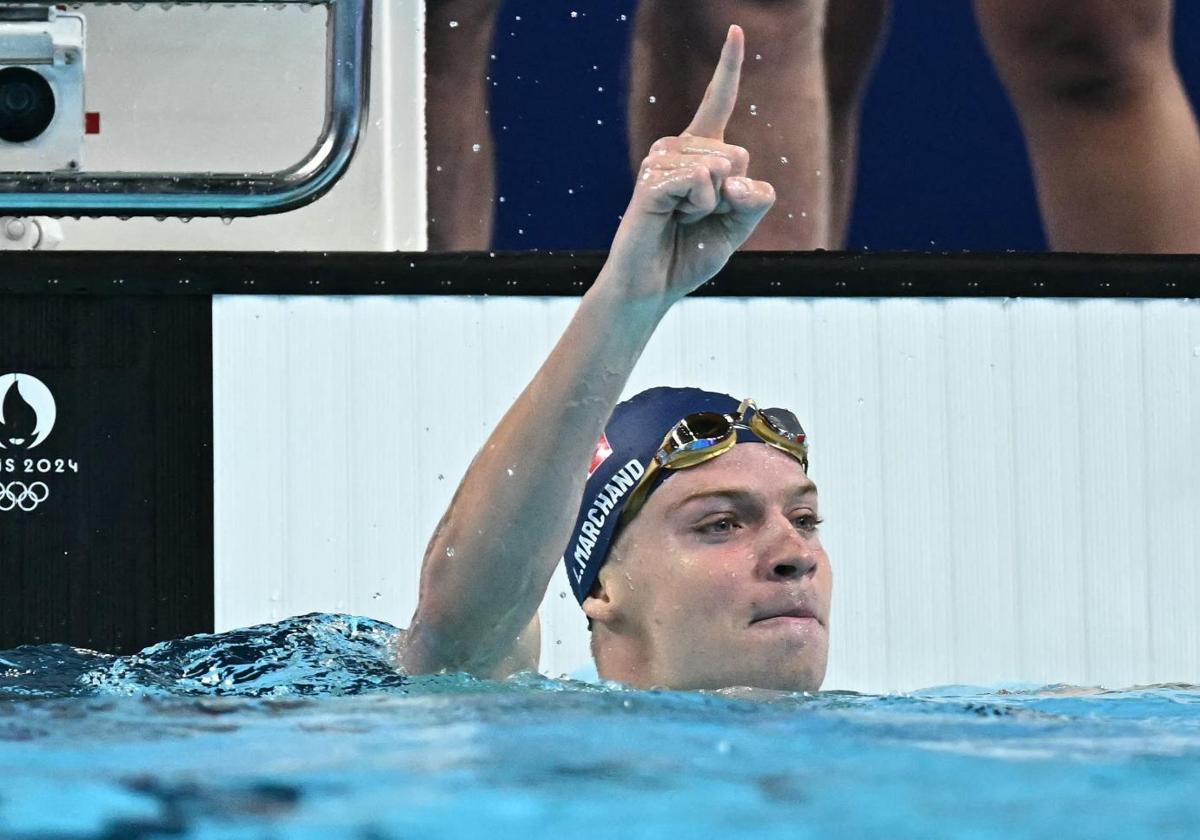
{"x": 724, "y": 524}
{"x": 807, "y": 522}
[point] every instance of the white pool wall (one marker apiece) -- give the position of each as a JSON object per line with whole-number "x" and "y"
{"x": 1009, "y": 486}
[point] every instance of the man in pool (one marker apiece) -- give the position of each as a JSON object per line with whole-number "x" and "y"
{"x": 696, "y": 557}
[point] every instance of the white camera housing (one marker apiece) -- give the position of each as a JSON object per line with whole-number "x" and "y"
{"x": 52, "y": 47}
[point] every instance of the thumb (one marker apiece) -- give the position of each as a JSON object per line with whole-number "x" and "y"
{"x": 749, "y": 201}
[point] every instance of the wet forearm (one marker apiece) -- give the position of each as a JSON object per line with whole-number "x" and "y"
{"x": 489, "y": 562}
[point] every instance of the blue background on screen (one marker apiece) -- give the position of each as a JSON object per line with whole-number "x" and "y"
{"x": 942, "y": 163}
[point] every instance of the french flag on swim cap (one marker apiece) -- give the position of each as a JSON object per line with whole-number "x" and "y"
{"x": 632, "y": 437}
{"x": 603, "y": 450}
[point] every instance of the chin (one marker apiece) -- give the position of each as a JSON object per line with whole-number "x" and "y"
{"x": 794, "y": 681}
{"x": 802, "y": 673}
{"x": 795, "y": 677}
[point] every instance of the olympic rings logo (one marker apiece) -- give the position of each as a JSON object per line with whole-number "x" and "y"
{"x": 17, "y": 494}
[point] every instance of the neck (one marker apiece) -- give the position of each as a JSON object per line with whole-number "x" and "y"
{"x": 624, "y": 660}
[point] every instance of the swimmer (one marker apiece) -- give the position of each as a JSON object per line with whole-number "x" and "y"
{"x": 701, "y": 568}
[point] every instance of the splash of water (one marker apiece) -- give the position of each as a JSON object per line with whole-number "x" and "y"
{"x": 315, "y": 654}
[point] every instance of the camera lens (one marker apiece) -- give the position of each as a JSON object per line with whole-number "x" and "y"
{"x": 26, "y": 104}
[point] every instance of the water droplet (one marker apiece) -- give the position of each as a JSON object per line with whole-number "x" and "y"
{"x": 570, "y": 191}
{"x": 440, "y": 476}
{"x": 510, "y": 470}
{"x": 376, "y": 596}
{"x": 438, "y": 167}
{"x": 574, "y": 14}
{"x": 758, "y": 56}
{"x": 454, "y": 24}
{"x": 700, "y": 245}
{"x": 599, "y": 122}
{"x": 475, "y": 147}
{"x": 653, "y": 99}
{"x": 501, "y": 199}
{"x": 600, "y": 89}
{"x": 723, "y": 747}
{"x": 449, "y": 551}
{"x": 623, "y": 17}
{"x": 521, "y": 231}
{"x": 783, "y": 159}
{"x": 754, "y": 110}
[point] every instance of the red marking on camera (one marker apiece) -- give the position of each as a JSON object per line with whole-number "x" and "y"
{"x": 91, "y": 122}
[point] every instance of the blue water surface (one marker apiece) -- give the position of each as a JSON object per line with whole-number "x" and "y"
{"x": 302, "y": 729}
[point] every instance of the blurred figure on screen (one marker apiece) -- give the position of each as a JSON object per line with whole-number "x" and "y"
{"x": 1111, "y": 134}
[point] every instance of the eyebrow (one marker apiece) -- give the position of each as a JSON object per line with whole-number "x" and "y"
{"x": 738, "y": 495}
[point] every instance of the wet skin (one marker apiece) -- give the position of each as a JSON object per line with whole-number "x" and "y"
{"x": 720, "y": 580}
{"x": 693, "y": 205}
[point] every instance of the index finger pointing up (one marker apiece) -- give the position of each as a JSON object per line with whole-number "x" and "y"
{"x": 721, "y": 96}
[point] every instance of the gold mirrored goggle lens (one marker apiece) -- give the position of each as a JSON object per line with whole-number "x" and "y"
{"x": 693, "y": 440}
{"x": 780, "y": 428}
{"x": 704, "y": 435}
{"x": 694, "y": 435}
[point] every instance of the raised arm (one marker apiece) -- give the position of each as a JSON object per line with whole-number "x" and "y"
{"x": 491, "y": 558}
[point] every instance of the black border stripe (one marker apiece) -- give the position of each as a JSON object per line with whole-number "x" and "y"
{"x": 757, "y": 274}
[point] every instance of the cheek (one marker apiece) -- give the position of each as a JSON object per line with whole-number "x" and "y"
{"x": 699, "y": 581}
{"x": 711, "y": 584}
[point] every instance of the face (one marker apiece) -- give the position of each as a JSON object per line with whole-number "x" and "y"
{"x": 720, "y": 580}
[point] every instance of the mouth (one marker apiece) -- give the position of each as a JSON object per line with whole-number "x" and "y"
{"x": 796, "y": 615}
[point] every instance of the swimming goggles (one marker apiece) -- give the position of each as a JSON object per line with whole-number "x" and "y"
{"x": 704, "y": 435}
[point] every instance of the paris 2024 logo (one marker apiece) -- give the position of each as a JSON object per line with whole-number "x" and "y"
{"x": 27, "y": 416}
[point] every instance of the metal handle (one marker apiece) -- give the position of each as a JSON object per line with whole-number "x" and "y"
{"x": 347, "y": 89}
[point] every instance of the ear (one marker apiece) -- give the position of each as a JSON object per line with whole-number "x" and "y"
{"x": 599, "y": 605}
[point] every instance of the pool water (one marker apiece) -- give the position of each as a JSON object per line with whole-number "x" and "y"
{"x": 301, "y": 729}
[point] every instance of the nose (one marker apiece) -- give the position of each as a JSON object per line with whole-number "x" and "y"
{"x": 787, "y": 554}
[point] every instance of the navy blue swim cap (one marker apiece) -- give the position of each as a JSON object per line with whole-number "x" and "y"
{"x": 632, "y": 437}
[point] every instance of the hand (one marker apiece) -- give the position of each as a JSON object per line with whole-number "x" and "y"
{"x": 692, "y": 205}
